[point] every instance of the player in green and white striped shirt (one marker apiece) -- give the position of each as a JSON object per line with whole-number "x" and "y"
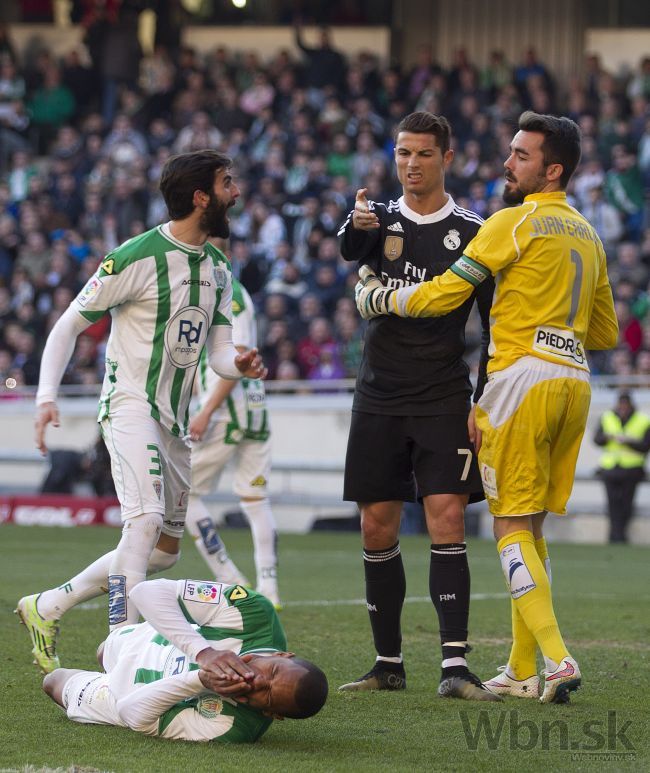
{"x": 169, "y": 293}
{"x": 210, "y": 663}
{"x": 232, "y": 422}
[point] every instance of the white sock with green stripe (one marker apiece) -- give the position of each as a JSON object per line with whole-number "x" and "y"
{"x": 92, "y": 582}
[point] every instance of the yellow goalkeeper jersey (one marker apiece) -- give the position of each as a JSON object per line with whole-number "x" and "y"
{"x": 552, "y": 295}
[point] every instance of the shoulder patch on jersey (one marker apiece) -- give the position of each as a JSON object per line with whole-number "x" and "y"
{"x": 238, "y": 593}
{"x": 92, "y": 288}
{"x": 220, "y": 276}
{"x": 108, "y": 266}
{"x": 204, "y": 591}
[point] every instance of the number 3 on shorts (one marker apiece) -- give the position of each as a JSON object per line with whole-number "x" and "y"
{"x": 466, "y": 452}
{"x": 156, "y": 468}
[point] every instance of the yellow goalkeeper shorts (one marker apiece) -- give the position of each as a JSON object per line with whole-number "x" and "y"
{"x": 532, "y": 416}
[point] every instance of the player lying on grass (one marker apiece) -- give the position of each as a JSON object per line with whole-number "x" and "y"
{"x": 209, "y": 663}
{"x": 552, "y": 302}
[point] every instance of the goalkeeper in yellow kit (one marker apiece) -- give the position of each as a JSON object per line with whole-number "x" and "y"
{"x": 552, "y": 302}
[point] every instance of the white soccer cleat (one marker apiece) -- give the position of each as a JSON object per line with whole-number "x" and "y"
{"x": 559, "y": 683}
{"x": 502, "y": 684}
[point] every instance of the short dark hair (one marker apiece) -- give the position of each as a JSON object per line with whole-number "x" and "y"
{"x": 311, "y": 691}
{"x": 561, "y": 140}
{"x": 423, "y": 122}
{"x": 186, "y": 173}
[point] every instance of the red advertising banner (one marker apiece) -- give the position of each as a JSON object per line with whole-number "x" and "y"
{"x": 59, "y": 510}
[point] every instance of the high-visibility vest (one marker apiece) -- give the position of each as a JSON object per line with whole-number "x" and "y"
{"x": 617, "y": 454}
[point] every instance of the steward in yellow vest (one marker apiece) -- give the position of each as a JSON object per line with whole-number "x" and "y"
{"x": 624, "y": 434}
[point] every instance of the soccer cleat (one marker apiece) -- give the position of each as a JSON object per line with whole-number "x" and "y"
{"x": 382, "y": 676}
{"x": 502, "y": 684}
{"x": 466, "y": 686}
{"x": 559, "y": 683}
{"x": 42, "y": 632}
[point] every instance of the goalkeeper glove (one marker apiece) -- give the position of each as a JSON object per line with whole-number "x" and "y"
{"x": 372, "y": 298}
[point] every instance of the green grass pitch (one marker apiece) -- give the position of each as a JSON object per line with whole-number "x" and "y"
{"x": 601, "y": 597}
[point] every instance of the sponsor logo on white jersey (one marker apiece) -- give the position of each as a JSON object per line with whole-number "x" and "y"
{"x": 91, "y": 290}
{"x": 452, "y": 240}
{"x": 185, "y": 335}
{"x": 205, "y": 591}
{"x": 560, "y": 343}
{"x": 397, "y": 227}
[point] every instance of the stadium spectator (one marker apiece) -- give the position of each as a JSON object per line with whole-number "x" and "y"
{"x": 624, "y": 435}
{"x": 289, "y": 143}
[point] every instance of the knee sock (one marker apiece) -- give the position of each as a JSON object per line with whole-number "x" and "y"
{"x": 129, "y": 566}
{"x": 201, "y": 526}
{"x": 531, "y": 593}
{"x": 449, "y": 587}
{"x": 522, "y": 662}
{"x": 385, "y": 593}
{"x": 265, "y": 538}
{"x": 92, "y": 582}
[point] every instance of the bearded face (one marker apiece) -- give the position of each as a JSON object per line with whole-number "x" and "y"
{"x": 214, "y": 221}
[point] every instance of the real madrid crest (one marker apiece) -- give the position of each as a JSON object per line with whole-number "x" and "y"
{"x": 452, "y": 240}
{"x": 393, "y": 247}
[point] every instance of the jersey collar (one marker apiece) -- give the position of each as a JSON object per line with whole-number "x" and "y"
{"x": 550, "y": 196}
{"x": 193, "y": 250}
{"x": 434, "y": 217}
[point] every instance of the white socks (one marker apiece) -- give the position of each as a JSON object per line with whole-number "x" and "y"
{"x": 129, "y": 566}
{"x": 262, "y": 523}
{"x": 92, "y": 582}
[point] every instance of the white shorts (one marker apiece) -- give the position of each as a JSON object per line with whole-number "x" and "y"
{"x": 211, "y": 454}
{"x": 88, "y": 699}
{"x": 150, "y": 467}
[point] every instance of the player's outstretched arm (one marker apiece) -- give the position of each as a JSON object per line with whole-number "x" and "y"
{"x": 56, "y": 356}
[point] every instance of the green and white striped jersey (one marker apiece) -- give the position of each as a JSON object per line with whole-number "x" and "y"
{"x": 245, "y": 408}
{"x": 240, "y": 620}
{"x": 163, "y": 297}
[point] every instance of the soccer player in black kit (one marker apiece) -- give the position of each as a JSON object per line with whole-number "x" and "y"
{"x": 411, "y": 420}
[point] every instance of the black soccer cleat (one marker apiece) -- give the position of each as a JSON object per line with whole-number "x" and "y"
{"x": 466, "y": 686}
{"x": 382, "y": 676}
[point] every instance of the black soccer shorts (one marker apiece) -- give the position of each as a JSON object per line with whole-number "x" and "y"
{"x": 404, "y": 458}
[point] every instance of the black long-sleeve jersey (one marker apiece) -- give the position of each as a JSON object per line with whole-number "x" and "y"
{"x": 415, "y": 367}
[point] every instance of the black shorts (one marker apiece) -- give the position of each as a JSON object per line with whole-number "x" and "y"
{"x": 404, "y": 458}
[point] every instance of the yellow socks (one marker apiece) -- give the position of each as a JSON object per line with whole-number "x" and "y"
{"x": 533, "y": 619}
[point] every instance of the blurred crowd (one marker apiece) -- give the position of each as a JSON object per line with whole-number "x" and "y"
{"x": 83, "y": 139}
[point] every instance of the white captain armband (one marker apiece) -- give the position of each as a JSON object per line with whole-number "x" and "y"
{"x": 470, "y": 270}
